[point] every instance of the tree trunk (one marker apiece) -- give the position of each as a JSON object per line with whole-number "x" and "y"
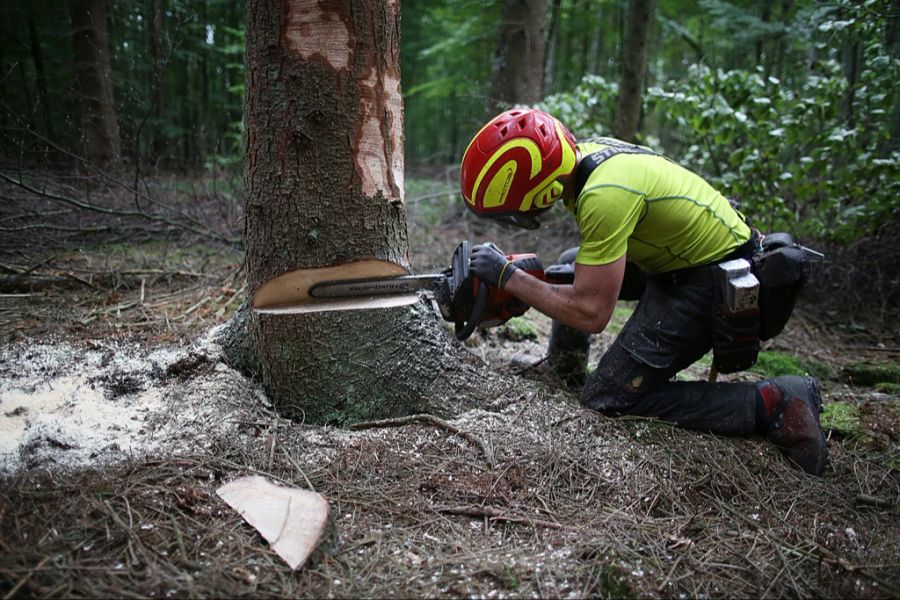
{"x": 38, "y": 59}
{"x": 323, "y": 172}
{"x": 634, "y": 66}
{"x": 158, "y": 52}
{"x": 892, "y": 43}
{"x": 851, "y": 60}
{"x": 551, "y": 48}
{"x": 98, "y": 129}
{"x": 518, "y": 68}
{"x": 765, "y": 17}
{"x": 787, "y": 8}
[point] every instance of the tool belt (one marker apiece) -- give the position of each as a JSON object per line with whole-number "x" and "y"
{"x": 752, "y": 301}
{"x": 703, "y": 274}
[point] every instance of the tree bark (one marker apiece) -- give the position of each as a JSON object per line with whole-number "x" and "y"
{"x": 551, "y": 47}
{"x": 634, "y": 66}
{"x": 323, "y": 173}
{"x": 518, "y": 66}
{"x": 765, "y": 17}
{"x": 98, "y": 128}
{"x": 38, "y": 59}
{"x": 158, "y": 52}
{"x": 851, "y": 60}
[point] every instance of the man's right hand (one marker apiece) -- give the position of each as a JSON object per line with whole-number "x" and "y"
{"x": 490, "y": 265}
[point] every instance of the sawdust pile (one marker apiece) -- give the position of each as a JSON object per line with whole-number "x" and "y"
{"x": 110, "y": 491}
{"x": 64, "y": 405}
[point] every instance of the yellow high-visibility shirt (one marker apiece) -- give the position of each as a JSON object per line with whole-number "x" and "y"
{"x": 659, "y": 214}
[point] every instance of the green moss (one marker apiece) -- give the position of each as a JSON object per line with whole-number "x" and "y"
{"x": 887, "y": 387}
{"x": 843, "y": 419}
{"x": 518, "y": 329}
{"x": 773, "y": 364}
{"x": 611, "y": 583}
{"x": 867, "y": 373}
{"x": 508, "y": 578}
{"x": 705, "y": 360}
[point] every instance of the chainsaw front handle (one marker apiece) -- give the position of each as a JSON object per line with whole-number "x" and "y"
{"x": 465, "y": 328}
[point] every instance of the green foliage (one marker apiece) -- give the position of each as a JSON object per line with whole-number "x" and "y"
{"x": 444, "y": 56}
{"x": 588, "y": 109}
{"x": 177, "y": 89}
{"x": 816, "y": 155}
{"x": 182, "y": 105}
{"x": 788, "y": 157}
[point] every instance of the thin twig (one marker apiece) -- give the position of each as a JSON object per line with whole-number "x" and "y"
{"x": 25, "y": 578}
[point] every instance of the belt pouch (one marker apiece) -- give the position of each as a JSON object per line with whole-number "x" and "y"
{"x": 735, "y": 316}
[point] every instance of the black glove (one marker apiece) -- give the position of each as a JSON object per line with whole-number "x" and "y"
{"x": 490, "y": 265}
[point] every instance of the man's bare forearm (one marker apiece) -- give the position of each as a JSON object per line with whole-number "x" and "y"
{"x": 576, "y": 308}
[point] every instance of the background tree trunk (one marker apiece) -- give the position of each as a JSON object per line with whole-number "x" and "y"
{"x": 551, "y": 47}
{"x": 98, "y": 130}
{"x": 323, "y": 173}
{"x": 158, "y": 52}
{"x": 634, "y": 65}
{"x": 518, "y": 68}
{"x": 38, "y": 58}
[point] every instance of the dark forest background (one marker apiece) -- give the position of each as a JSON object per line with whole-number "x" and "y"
{"x": 788, "y": 105}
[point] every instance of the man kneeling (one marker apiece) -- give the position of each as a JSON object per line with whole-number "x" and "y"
{"x": 630, "y": 202}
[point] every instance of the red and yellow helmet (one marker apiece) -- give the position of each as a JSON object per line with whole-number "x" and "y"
{"x": 510, "y": 168}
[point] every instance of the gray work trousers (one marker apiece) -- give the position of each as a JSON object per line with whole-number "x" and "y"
{"x": 670, "y": 329}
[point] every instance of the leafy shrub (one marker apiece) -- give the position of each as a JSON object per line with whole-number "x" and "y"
{"x": 813, "y": 154}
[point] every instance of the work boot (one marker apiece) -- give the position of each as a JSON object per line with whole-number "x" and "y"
{"x": 791, "y": 406}
{"x": 567, "y": 354}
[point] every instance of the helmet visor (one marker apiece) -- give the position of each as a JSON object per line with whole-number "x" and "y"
{"x": 523, "y": 220}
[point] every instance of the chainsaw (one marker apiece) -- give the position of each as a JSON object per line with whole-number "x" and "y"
{"x": 462, "y": 298}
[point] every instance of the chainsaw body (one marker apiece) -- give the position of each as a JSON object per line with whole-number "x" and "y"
{"x": 468, "y": 303}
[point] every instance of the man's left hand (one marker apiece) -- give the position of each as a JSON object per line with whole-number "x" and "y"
{"x": 490, "y": 265}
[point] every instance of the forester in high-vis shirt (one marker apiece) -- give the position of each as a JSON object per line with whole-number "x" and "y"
{"x": 638, "y": 213}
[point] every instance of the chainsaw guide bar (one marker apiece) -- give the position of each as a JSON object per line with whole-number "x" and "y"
{"x": 372, "y": 283}
{"x": 406, "y": 284}
{"x": 310, "y": 290}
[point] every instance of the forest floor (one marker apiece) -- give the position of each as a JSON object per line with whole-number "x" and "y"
{"x": 119, "y": 420}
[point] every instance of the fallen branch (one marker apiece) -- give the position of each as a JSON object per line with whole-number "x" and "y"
{"x": 187, "y": 223}
{"x": 33, "y": 283}
{"x": 430, "y": 419}
{"x": 482, "y": 512}
{"x": 27, "y": 282}
{"x": 867, "y": 500}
